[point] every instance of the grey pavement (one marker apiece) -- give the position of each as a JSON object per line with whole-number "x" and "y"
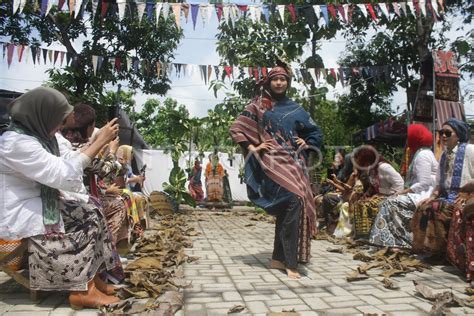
{"x": 232, "y": 270}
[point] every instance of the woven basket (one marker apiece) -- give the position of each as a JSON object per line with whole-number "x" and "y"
{"x": 162, "y": 203}
{"x": 6, "y": 248}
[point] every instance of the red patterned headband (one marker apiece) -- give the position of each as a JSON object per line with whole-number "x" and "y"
{"x": 277, "y": 71}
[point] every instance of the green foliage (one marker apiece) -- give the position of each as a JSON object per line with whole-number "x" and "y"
{"x": 176, "y": 187}
{"x": 109, "y": 37}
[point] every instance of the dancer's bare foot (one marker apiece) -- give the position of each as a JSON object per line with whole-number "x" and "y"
{"x": 275, "y": 264}
{"x": 293, "y": 274}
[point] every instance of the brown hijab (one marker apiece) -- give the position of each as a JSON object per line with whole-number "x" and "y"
{"x": 39, "y": 111}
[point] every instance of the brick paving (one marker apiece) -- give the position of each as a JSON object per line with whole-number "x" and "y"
{"x": 232, "y": 270}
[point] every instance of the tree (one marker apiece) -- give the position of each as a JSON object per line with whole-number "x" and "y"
{"x": 145, "y": 43}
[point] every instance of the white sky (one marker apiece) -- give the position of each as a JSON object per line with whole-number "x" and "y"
{"x": 197, "y": 47}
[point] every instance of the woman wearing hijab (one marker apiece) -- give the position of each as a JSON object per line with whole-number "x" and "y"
{"x": 433, "y": 219}
{"x": 391, "y": 228}
{"x": 68, "y": 241}
{"x": 276, "y": 133}
{"x": 384, "y": 182}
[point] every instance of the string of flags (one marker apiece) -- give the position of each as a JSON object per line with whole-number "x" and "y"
{"x": 226, "y": 12}
{"x": 207, "y": 72}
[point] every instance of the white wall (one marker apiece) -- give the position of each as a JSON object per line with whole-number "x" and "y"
{"x": 159, "y": 166}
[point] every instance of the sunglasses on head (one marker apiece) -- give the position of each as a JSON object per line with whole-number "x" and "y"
{"x": 446, "y": 132}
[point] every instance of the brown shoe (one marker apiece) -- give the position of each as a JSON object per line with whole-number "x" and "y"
{"x": 104, "y": 287}
{"x": 90, "y": 298}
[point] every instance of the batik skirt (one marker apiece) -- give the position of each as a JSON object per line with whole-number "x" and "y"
{"x": 430, "y": 226}
{"x": 68, "y": 262}
{"x": 116, "y": 214}
{"x": 461, "y": 242}
{"x": 391, "y": 227}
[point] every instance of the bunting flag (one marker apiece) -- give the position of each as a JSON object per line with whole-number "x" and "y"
{"x": 229, "y": 13}
{"x": 119, "y": 64}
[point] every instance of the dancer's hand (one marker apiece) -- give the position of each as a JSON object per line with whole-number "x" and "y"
{"x": 265, "y": 146}
{"x": 301, "y": 143}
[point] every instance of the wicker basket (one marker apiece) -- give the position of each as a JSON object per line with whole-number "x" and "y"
{"x": 6, "y": 248}
{"x": 162, "y": 203}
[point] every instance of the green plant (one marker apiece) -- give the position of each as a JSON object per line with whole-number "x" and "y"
{"x": 176, "y": 187}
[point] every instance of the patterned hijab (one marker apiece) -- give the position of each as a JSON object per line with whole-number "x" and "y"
{"x": 462, "y": 129}
{"x": 263, "y": 90}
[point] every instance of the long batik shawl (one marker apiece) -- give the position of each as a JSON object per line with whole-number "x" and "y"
{"x": 284, "y": 165}
{"x": 457, "y": 173}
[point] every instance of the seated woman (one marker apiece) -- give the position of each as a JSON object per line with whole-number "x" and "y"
{"x": 123, "y": 178}
{"x": 432, "y": 220}
{"x": 68, "y": 241}
{"x": 461, "y": 233}
{"x": 391, "y": 228}
{"x": 327, "y": 203}
{"x": 112, "y": 204}
{"x": 384, "y": 182}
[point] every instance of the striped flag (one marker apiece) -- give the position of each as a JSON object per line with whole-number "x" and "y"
{"x": 446, "y": 110}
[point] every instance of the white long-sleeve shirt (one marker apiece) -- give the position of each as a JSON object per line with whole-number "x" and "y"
{"x": 422, "y": 175}
{"x": 24, "y": 164}
{"x": 467, "y": 173}
{"x": 390, "y": 181}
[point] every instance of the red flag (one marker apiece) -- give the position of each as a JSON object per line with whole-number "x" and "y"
{"x": 372, "y": 12}
{"x": 333, "y": 73}
{"x": 21, "y": 48}
{"x": 264, "y": 71}
{"x": 10, "y": 50}
{"x": 292, "y": 10}
{"x": 103, "y": 9}
{"x": 417, "y": 7}
{"x": 228, "y": 70}
{"x": 243, "y": 7}
{"x": 332, "y": 10}
{"x": 60, "y": 4}
{"x": 118, "y": 63}
{"x": 340, "y": 8}
{"x": 219, "y": 9}
{"x": 255, "y": 73}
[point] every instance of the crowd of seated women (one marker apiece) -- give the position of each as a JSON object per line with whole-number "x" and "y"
{"x": 64, "y": 196}
{"x": 430, "y": 212}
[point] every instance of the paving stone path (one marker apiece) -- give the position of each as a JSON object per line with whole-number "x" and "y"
{"x": 232, "y": 270}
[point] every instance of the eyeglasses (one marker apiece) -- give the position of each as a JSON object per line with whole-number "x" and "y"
{"x": 446, "y": 132}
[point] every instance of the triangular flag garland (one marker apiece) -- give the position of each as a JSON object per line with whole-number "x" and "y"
{"x": 229, "y": 13}
{"x": 121, "y": 64}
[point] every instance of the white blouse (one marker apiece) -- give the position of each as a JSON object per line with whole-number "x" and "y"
{"x": 66, "y": 150}
{"x": 24, "y": 165}
{"x": 467, "y": 174}
{"x": 390, "y": 181}
{"x": 422, "y": 175}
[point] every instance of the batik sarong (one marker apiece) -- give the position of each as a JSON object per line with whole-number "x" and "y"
{"x": 391, "y": 228}
{"x": 69, "y": 261}
{"x": 461, "y": 241}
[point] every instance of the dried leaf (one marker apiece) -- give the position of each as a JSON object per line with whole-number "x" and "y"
{"x": 390, "y": 284}
{"x": 236, "y": 309}
{"x": 356, "y": 276}
{"x": 391, "y": 272}
{"x": 336, "y": 250}
{"x": 362, "y": 257}
{"x": 145, "y": 263}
